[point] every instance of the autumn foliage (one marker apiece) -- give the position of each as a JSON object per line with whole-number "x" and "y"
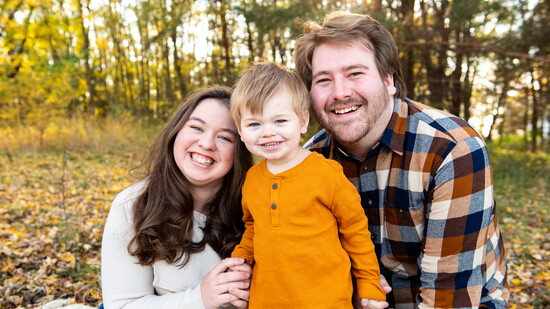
{"x": 52, "y": 215}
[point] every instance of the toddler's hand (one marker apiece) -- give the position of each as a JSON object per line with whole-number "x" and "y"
{"x": 373, "y": 304}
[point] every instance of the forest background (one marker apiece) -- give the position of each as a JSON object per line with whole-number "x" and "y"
{"x": 85, "y": 86}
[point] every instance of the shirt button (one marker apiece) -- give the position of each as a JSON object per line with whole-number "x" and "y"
{"x": 365, "y": 168}
{"x": 274, "y": 186}
{"x": 273, "y": 206}
{"x": 401, "y": 211}
{"x": 372, "y": 237}
{"x": 370, "y": 202}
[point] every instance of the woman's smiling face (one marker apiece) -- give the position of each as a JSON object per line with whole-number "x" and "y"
{"x": 205, "y": 146}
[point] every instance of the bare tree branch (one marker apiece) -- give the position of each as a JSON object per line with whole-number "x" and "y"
{"x": 480, "y": 47}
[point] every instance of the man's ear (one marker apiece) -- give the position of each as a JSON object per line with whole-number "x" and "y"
{"x": 305, "y": 122}
{"x": 390, "y": 86}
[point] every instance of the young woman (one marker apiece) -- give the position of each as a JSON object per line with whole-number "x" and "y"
{"x": 165, "y": 235}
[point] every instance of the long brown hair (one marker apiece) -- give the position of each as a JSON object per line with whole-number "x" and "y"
{"x": 163, "y": 213}
{"x": 344, "y": 27}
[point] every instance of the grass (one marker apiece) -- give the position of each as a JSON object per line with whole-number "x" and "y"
{"x": 522, "y": 191}
{"x": 54, "y": 200}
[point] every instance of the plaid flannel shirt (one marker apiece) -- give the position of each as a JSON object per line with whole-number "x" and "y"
{"x": 427, "y": 190}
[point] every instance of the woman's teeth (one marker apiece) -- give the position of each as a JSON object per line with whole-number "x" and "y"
{"x": 201, "y": 159}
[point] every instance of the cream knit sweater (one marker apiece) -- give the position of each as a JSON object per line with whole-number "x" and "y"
{"x": 127, "y": 284}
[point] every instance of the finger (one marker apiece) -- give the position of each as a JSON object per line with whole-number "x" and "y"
{"x": 227, "y": 300}
{"x": 242, "y": 267}
{"x": 384, "y": 284}
{"x": 378, "y": 304}
{"x": 233, "y": 276}
{"x": 241, "y": 304}
{"x": 240, "y": 292}
{"x": 237, "y": 289}
{"x": 225, "y": 264}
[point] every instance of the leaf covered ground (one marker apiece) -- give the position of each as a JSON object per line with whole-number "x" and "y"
{"x": 53, "y": 206}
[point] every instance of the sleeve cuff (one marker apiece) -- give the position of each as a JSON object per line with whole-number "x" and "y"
{"x": 370, "y": 290}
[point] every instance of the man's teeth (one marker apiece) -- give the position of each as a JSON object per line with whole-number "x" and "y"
{"x": 201, "y": 159}
{"x": 345, "y": 110}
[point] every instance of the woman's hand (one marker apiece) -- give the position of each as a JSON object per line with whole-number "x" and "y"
{"x": 227, "y": 282}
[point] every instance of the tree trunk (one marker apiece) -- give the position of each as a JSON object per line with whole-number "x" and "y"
{"x": 526, "y": 118}
{"x": 225, "y": 44}
{"x": 407, "y": 15}
{"x": 535, "y": 114}
{"x": 177, "y": 65}
{"x": 496, "y": 110}
{"x": 250, "y": 42}
{"x": 456, "y": 86}
{"x": 168, "y": 91}
{"x": 90, "y": 83}
{"x": 377, "y": 5}
{"x": 18, "y": 49}
{"x": 468, "y": 88}
{"x": 436, "y": 77}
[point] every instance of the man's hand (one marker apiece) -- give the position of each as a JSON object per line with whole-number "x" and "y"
{"x": 373, "y": 304}
{"x": 384, "y": 284}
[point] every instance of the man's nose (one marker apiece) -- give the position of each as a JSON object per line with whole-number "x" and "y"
{"x": 341, "y": 90}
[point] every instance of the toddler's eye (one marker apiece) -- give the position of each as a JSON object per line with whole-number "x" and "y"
{"x": 253, "y": 124}
{"x": 280, "y": 121}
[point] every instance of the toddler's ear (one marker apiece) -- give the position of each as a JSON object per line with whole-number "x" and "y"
{"x": 305, "y": 122}
{"x": 239, "y": 132}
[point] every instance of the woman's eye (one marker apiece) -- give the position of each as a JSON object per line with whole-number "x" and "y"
{"x": 225, "y": 138}
{"x": 195, "y": 128}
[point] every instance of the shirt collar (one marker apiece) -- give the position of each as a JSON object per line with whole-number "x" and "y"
{"x": 394, "y": 135}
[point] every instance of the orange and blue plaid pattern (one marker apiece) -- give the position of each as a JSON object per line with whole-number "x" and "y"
{"x": 427, "y": 190}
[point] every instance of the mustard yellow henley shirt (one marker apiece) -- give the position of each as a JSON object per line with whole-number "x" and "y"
{"x": 306, "y": 233}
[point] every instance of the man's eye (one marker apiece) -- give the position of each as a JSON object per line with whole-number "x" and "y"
{"x": 322, "y": 81}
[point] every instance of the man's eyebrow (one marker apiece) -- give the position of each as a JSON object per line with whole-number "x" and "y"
{"x": 356, "y": 66}
{"x": 318, "y": 74}
{"x": 346, "y": 68}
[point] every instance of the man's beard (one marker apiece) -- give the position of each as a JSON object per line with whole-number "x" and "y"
{"x": 352, "y": 131}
